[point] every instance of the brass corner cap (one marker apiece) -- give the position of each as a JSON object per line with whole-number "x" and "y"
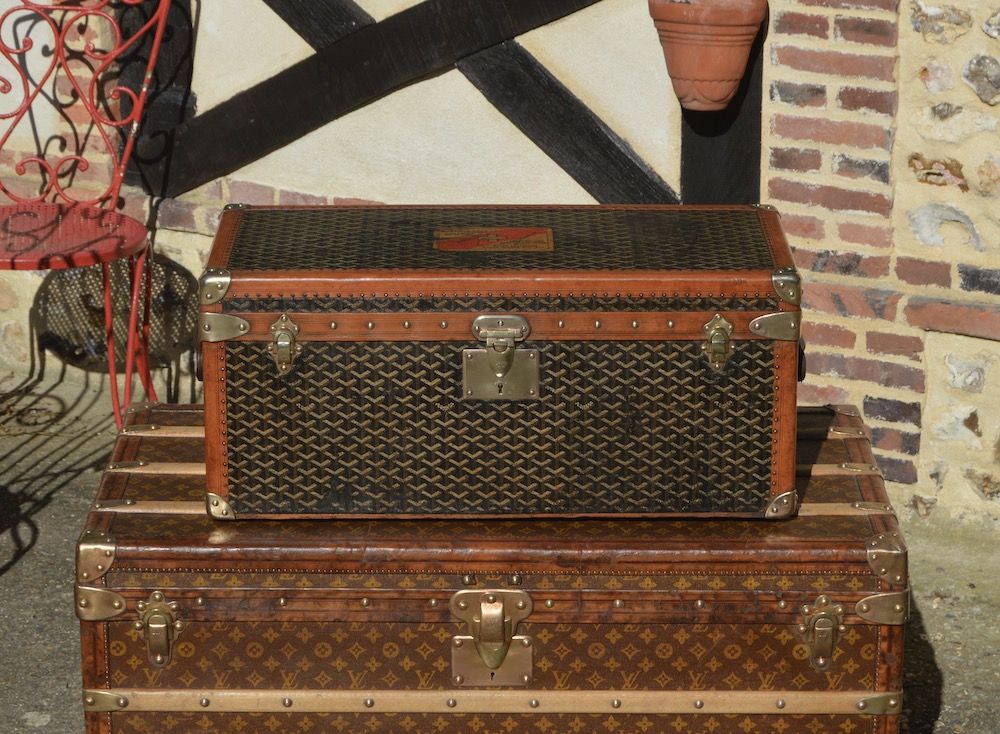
{"x": 218, "y": 508}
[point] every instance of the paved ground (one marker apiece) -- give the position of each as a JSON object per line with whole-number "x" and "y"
{"x": 55, "y": 438}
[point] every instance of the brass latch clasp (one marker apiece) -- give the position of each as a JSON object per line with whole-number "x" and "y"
{"x": 501, "y": 371}
{"x": 493, "y": 654}
{"x": 822, "y": 626}
{"x": 159, "y": 625}
{"x": 283, "y": 347}
{"x": 717, "y": 346}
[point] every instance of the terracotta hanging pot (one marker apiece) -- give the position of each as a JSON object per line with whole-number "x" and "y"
{"x": 706, "y": 44}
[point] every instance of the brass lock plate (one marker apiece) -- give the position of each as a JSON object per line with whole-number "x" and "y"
{"x": 493, "y": 655}
{"x": 501, "y": 371}
{"x": 822, "y": 626}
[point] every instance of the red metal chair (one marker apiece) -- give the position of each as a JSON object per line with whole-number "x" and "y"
{"x": 68, "y": 125}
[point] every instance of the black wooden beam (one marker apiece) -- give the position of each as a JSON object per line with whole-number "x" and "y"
{"x": 321, "y": 23}
{"x": 361, "y": 67}
{"x": 564, "y": 127}
{"x": 720, "y": 151}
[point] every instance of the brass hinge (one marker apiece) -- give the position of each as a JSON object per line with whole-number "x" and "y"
{"x": 787, "y": 285}
{"x": 159, "y": 625}
{"x": 717, "y": 346}
{"x": 821, "y": 628}
{"x": 218, "y": 508}
{"x": 214, "y": 283}
{"x": 493, "y": 655}
{"x": 283, "y": 347}
{"x": 782, "y": 506}
{"x": 95, "y": 552}
{"x": 782, "y": 326}
{"x": 887, "y": 557}
{"x": 888, "y": 608}
{"x": 96, "y": 604}
{"x": 501, "y": 371}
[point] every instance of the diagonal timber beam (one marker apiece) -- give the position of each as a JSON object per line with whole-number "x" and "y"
{"x": 352, "y": 72}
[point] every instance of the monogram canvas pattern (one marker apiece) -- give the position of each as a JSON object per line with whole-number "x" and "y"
{"x": 417, "y": 656}
{"x": 448, "y": 584}
{"x": 374, "y": 428}
{"x": 585, "y": 238}
{"x": 142, "y": 723}
{"x": 495, "y": 304}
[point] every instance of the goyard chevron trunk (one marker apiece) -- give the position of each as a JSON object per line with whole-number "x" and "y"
{"x": 451, "y": 361}
{"x": 491, "y": 626}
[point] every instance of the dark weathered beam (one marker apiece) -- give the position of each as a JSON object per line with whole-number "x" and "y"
{"x": 354, "y": 71}
{"x": 563, "y": 126}
{"x": 720, "y": 151}
{"x": 321, "y": 23}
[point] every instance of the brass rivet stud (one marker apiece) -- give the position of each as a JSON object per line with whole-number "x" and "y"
{"x": 200, "y": 601}
{"x": 85, "y": 575}
{"x": 521, "y": 604}
{"x": 550, "y": 603}
{"x": 158, "y": 658}
{"x": 83, "y": 604}
{"x": 619, "y": 603}
{"x": 369, "y": 702}
{"x": 468, "y": 579}
{"x": 286, "y": 702}
{"x": 122, "y": 702}
{"x": 456, "y": 642}
{"x": 526, "y": 678}
{"x": 204, "y": 703}
{"x": 561, "y": 324}
{"x": 526, "y": 641}
{"x": 616, "y": 703}
{"x": 459, "y": 680}
{"x": 366, "y": 602}
{"x": 157, "y": 596}
{"x": 491, "y": 598}
{"x": 893, "y": 702}
{"x": 782, "y": 604}
{"x": 407, "y": 324}
{"x": 670, "y": 324}
{"x": 215, "y": 503}
{"x": 89, "y": 700}
{"x": 780, "y": 703}
{"x": 531, "y": 392}
{"x": 243, "y": 327}
{"x": 862, "y": 705}
{"x": 444, "y": 324}
{"x": 864, "y": 607}
{"x": 370, "y": 325}
{"x": 700, "y": 604}
{"x": 597, "y": 324}
{"x": 699, "y": 704}
{"x": 282, "y": 602}
{"x": 333, "y": 325}
{"x": 434, "y": 602}
{"x": 635, "y": 324}
{"x": 117, "y": 604}
{"x": 138, "y": 625}
{"x": 516, "y": 579}
{"x": 463, "y": 605}
{"x": 534, "y": 703}
{"x": 452, "y": 703}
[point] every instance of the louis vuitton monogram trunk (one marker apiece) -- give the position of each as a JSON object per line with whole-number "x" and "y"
{"x": 504, "y": 626}
{"x": 456, "y": 361}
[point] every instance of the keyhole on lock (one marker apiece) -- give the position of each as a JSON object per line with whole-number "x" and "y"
{"x": 499, "y": 388}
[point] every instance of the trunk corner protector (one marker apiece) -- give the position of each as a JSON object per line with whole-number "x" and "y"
{"x": 95, "y": 552}
{"x": 218, "y": 508}
{"x": 886, "y": 608}
{"x": 97, "y": 604}
{"x": 780, "y": 326}
{"x": 783, "y": 506}
{"x": 887, "y": 557}
{"x": 221, "y": 327}
{"x": 213, "y": 285}
{"x": 883, "y": 703}
{"x": 98, "y": 701}
{"x": 787, "y": 285}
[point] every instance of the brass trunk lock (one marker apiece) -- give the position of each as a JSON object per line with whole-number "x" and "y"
{"x": 717, "y": 347}
{"x": 501, "y": 371}
{"x": 823, "y": 624}
{"x": 283, "y": 347}
{"x": 160, "y": 626}
{"x": 493, "y": 655}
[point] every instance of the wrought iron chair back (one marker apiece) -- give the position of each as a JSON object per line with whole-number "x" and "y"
{"x": 74, "y": 80}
